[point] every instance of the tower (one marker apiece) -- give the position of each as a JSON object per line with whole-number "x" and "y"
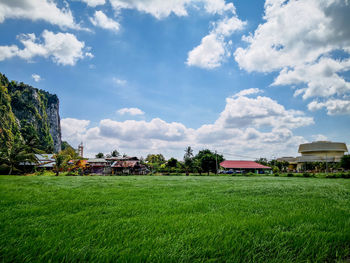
{"x": 81, "y": 150}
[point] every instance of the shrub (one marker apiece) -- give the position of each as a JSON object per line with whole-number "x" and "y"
{"x": 72, "y": 173}
{"x": 277, "y": 174}
{"x": 306, "y": 174}
{"x": 345, "y": 175}
{"x": 290, "y": 175}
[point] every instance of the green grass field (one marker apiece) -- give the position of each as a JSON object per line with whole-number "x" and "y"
{"x": 174, "y": 219}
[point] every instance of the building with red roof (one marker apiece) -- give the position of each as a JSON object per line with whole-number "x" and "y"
{"x": 244, "y": 166}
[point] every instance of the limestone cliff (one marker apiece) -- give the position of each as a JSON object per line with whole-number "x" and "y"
{"x": 36, "y": 113}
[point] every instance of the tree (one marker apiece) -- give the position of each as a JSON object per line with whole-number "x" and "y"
{"x": 115, "y": 153}
{"x": 99, "y": 155}
{"x": 17, "y": 153}
{"x": 172, "y": 162}
{"x": 208, "y": 160}
{"x": 188, "y": 160}
{"x": 345, "y": 162}
{"x": 60, "y": 160}
{"x": 155, "y": 158}
{"x": 71, "y": 153}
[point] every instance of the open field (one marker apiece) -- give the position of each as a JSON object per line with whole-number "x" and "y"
{"x": 174, "y": 219}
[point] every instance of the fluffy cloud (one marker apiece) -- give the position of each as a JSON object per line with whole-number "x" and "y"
{"x": 255, "y": 126}
{"x": 119, "y": 82}
{"x": 74, "y": 130}
{"x": 37, "y": 10}
{"x": 333, "y": 106}
{"x": 322, "y": 78}
{"x": 62, "y": 48}
{"x": 131, "y": 111}
{"x": 161, "y": 9}
{"x": 298, "y": 39}
{"x": 214, "y": 48}
{"x": 36, "y": 77}
{"x": 94, "y": 3}
{"x": 101, "y": 20}
{"x": 242, "y": 112}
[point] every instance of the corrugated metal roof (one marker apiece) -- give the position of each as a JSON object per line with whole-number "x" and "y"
{"x": 243, "y": 165}
{"x": 97, "y": 160}
{"x": 125, "y": 164}
{"x": 322, "y": 146}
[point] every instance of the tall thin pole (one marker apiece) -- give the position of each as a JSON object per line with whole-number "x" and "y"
{"x": 326, "y": 164}
{"x": 216, "y": 162}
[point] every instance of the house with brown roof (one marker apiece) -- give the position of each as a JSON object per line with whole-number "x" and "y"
{"x": 244, "y": 167}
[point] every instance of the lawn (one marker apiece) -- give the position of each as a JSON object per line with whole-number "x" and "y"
{"x": 174, "y": 219}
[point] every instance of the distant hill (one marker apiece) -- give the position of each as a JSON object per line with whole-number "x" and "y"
{"x": 29, "y": 112}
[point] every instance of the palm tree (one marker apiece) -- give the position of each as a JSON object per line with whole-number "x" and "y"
{"x": 188, "y": 159}
{"x": 18, "y": 153}
{"x": 60, "y": 160}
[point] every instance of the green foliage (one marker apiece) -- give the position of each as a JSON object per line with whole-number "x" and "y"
{"x": 115, "y": 153}
{"x": 100, "y": 155}
{"x": 306, "y": 174}
{"x": 155, "y": 158}
{"x": 12, "y": 157}
{"x": 345, "y": 162}
{"x": 28, "y": 105}
{"x": 172, "y": 163}
{"x": 208, "y": 160}
{"x": 61, "y": 161}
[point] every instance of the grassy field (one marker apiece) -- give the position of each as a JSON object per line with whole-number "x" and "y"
{"x": 174, "y": 219}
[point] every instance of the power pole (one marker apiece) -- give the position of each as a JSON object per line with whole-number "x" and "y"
{"x": 216, "y": 162}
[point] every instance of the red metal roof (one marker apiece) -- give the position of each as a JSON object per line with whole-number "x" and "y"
{"x": 243, "y": 165}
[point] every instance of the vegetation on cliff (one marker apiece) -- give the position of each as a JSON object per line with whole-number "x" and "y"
{"x": 24, "y": 114}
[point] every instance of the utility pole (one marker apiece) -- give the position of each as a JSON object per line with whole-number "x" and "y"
{"x": 216, "y": 162}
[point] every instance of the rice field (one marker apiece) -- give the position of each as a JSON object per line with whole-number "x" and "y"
{"x": 174, "y": 219}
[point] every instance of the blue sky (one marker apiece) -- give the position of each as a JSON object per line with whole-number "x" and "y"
{"x": 246, "y": 78}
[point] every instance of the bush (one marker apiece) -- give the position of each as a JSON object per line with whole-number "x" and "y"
{"x": 277, "y": 174}
{"x": 290, "y": 175}
{"x": 306, "y": 174}
{"x": 72, "y": 173}
{"x": 345, "y": 175}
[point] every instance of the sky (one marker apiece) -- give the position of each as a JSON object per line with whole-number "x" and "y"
{"x": 246, "y": 78}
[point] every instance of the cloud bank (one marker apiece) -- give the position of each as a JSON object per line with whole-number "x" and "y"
{"x": 249, "y": 125}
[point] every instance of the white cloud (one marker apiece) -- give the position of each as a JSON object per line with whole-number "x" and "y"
{"x": 101, "y": 20}
{"x": 333, "y": 106}
{"x": 214, "y": 49}
{"x": 62, "y": 48}
{"x": 298, "y": 39}
{"x": 74, "y": 130}
{"x": 161, "y": 9}
{"x": 94, "y": 3}
{"x": 260, "y": 127}
{"x": 209, "y": 54}
{"x": 319, "y": 137}
{"x": 119, "y": 82}
{"x": 246, "y": 92}
{"x": 36, "y": 77}
{"x": 37, "y": 10}
{"x": 131, "y": 111}
{"x": 322, "y": 78}
{"x": 241, "y": 112}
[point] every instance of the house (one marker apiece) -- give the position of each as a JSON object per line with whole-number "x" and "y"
{"x": 127, "y": 165}
{"x": 98, "y": 166}
{"x": 292, "y": 162}
{"x": 244, "y": 166}
{"x": 45, "y": 161}
{"x": 320, "y": 151}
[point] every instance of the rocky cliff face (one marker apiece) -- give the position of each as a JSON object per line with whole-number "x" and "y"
{"x": 36, "y": 112}
{"x": 53, "y": 116}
